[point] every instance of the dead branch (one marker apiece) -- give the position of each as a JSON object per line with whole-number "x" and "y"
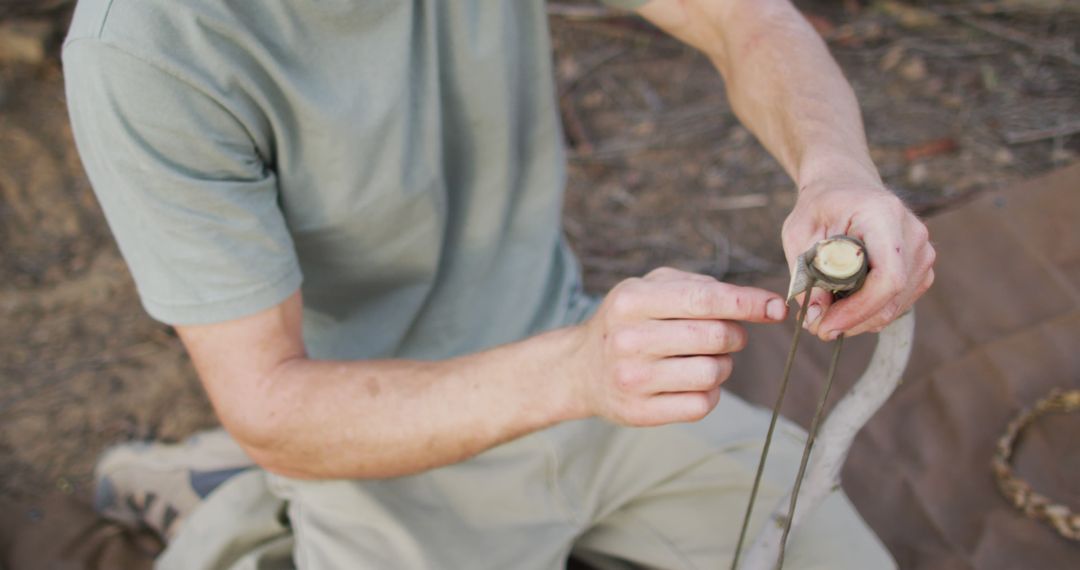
{"x": 1069, "y": 127}
{"x": 587, "y": 67}
{"x": 837, "y": 434}
{"x": 1061, "y": 49}
{"x": 575, "y": 127}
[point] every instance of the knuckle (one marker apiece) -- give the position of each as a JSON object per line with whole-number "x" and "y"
{"x": 628, "y": 376}
{"x": 623, "y": 299}
{"x": 716, "y": 336}
{"x": 699, "y": 300}
{"x": 697, "y": 407}
{"x": 891, "y": 311}
{"x": 925, "y": 285}
{"x": 624, "y": 341}
{"x": 894, "y": 283}
{"x": 663, "y": 271}
{"x": 922, "y": 233}
{"x": 709, "y": 372}
{"x": 725, "y": 365}
{"x": 895, "y": 203}
{"x": 931, "y": 255}
{"x": 736, "y": 337}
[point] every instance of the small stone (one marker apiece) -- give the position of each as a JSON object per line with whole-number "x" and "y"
{"x": 934, "y": 85}
{"x": 568, "y": 69}
{"x": 644, "y": 128}
{"x": 918, "y": 173}
{"x": 1004, "y": 157}
{"x": 593, "y": 99}
{"x": 892, "y": 58}
{"x": 914, "y": 69}
{"x": 715, "y": 178}
{"x": 952, "y": 100}
{"x": 1061, "y": 155}
{"x": 989, "y": 77}
{"x": 737, "y": 135}
{"x": 24, "y": 41}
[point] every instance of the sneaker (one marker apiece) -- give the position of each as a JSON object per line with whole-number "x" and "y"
{"x": 156, "y": 485}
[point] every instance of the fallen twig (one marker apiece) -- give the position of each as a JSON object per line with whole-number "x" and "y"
{"x": 1061, "y": 49}
{"x": 837, "y": 433}
{"x": 740, "y": 202}
{"x": 1007, "y": 7}
{"x": 592, "y": 64}
{"x": 927, "y": 149}
{"x": 619, "y": 147}
{"x": 575, "y": 129}
{"x": 1031, "y": 135}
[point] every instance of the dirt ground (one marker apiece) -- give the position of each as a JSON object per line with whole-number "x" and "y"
{"x": 958, "y": 97}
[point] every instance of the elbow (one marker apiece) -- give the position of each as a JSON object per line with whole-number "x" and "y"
{"x": 259, "y": 437}
{"x": 260, "y": 426}
{"x": 263, "y": 443}
{"x": 278, "y": 444}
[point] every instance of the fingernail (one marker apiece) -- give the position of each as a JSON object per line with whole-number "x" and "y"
{"x": 774, "y": 309}
{"x": 833, "y": 335}
{"x": 812, "y": 314}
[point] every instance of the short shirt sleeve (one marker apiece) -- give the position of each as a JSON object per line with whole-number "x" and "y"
{"x": 193, "y": 207}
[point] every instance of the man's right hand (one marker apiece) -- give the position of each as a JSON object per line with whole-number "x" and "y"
{"x": 655, "y": 352}
{"x": 658, "y": 348}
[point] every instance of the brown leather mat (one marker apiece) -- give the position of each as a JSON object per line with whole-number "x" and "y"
{"x": 998, "y": 330}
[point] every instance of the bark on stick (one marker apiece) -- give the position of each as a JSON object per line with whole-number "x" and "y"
{"x": 834, "y": 440}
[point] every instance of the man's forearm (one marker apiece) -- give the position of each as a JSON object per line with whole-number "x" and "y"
{"x": 781, "y": 80}
{"x": 655, "y": 352}
{"x": 385, "y": 418}
{"x": 786, "y": 86}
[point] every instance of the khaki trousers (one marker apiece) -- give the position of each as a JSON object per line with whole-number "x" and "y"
{"x": 671, "y": 497}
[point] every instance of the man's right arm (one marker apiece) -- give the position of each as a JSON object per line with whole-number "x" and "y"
{"x": 655, "y": 352}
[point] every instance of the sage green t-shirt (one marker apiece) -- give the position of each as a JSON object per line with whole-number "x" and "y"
{"x": 398, "y": 161}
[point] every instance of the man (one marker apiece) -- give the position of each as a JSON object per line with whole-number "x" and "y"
{"x": 350, "y": 213}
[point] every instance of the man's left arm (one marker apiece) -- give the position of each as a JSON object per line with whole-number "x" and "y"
{"x": 784, "y": 86}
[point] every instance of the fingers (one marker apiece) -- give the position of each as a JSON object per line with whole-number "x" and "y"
{"x": 883, "y": 283}
{"x": 680, "y": 338}
{"x": 820, "y": 301}
{"x": 677, "y": 374}
{"x": 899, "y": 275}
{"x": 679, "y": 298}
{"x": 924, "y": 277}
{"x": 662, "y": 345}
{"x": 677, "y": 407}
{"x": 691, "y": 374}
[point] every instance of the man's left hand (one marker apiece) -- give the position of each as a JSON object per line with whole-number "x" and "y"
{"x": 897, "y": 242}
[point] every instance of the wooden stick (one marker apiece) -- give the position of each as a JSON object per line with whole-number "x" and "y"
{"x": 837, "y": 433}
{"x": 1061, "y": 130}
{"x": 1059, "y": 49}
